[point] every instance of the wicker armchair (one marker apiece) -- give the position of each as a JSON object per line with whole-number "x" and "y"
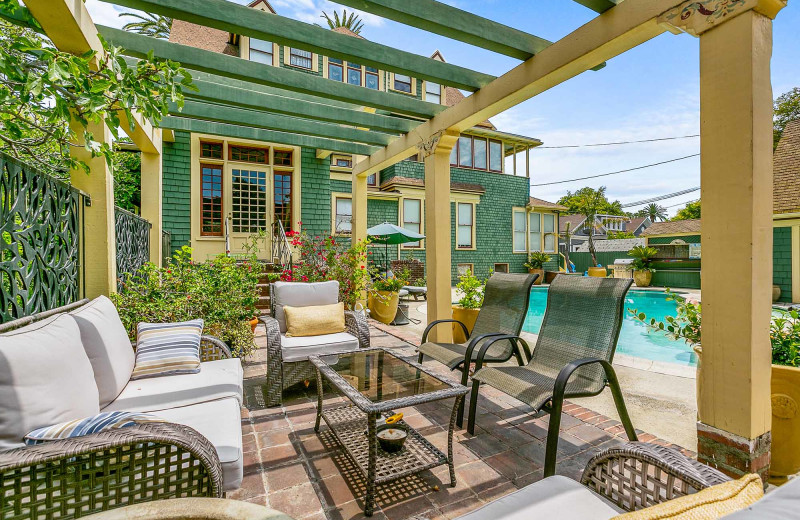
{"x": 285, "y": 370}
{"x": 572, "y": 357}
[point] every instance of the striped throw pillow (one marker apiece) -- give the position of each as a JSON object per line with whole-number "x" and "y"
{"x": 97, "y": 423}
{"x": 164, "y": 349}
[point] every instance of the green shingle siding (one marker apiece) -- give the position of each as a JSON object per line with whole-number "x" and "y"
{"x": 315, "y": 180}
{"x": 782, "y": 261}
{"x": 177, "y": 203}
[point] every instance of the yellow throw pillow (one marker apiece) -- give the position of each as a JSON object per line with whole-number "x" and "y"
{"x": 709, "y": 504}
{"x": 314, "y": 320}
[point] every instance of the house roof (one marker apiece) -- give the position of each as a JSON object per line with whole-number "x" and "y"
{"x": 624, "y": 244}
{"x": 634, "y": 223}
{"x": 786, "y": 171}
{"x": 408, "y": 181}
{"x": 348, "y": 32}
{"x": 573, "y": 220}
{"x": 541, "y": 203}
{"x": 672, "y": 227}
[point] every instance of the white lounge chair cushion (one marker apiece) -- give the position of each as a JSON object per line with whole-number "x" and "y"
{"x": 108, "y": 346}
{"x": 220, "y": 422}
{"x": 299, "y": 348}
{"x": 554, "y": 497}
{"x": 296, "y": 294}
{"x": 219, "y": 379}
{"x": 45, "y": 378}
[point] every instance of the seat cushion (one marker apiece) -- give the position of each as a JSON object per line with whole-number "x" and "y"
{"x": 298, "y": 349}
{"x": 314, "y": 320}
{"x": 45, "y": 378}
{"x": 219, "y": 379}
{"x": 296, "y": 294}
{"x": 780, "y": 504}
{"x": 220, "y": 422}
{"x": 108, "y": 346}
{"x": 164, "y": 349}
{"x": 554, "y": 497}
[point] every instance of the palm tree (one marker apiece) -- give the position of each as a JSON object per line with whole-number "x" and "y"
{"x": 590, "y": 203}
{"x": 654, "y": 212}
{"x": 149, "y": 24}
{"x": 353, "y": 22}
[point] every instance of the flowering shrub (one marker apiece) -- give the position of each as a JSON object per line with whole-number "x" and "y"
{"x": 471, "y": 289}
{"x": 322, "y": 258}
{"x": 222, "y": 291}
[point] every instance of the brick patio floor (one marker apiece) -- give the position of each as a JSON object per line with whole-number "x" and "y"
{"x": 288, "y": 467}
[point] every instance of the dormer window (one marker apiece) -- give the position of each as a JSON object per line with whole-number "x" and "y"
{"x": 300, "y": 58}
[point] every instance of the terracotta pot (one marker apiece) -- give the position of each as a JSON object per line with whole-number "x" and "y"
{"x": 642, "y": 278}
{"x": 776, "y": 293}
{"x": 598, "y": 272}
{"x": 540, "y": 272}
{"x": 254, "y": 324}
{"x": 785, "y": 390}
{"x": 465, "y": 316}
{"x": 383, "y": 307}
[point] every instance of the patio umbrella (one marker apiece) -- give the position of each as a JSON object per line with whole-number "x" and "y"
{"x": 387, "y": 233}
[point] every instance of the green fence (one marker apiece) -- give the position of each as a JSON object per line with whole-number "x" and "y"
{"x": 687, "y": 276}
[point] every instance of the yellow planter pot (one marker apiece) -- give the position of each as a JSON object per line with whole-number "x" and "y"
{"x": 598, "y": 272}
{"x": 465, "y": 316}
{"x": 785, "y": 391}
{"x": 540, "y": 272}
{"x": 383, "y": 307}
{"x": 643, "y": 278}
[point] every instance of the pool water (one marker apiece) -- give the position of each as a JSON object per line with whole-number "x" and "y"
{"x": 634, "y": 339}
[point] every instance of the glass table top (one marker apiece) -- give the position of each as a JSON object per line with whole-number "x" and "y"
{"x": 380, "y": 376}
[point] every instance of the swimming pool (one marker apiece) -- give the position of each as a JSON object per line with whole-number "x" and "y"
{"x": 634, "y": 338}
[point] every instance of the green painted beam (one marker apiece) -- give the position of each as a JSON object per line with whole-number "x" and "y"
{"x": 235, "y": 97}
{"x": 215, "y": 63}
{"x": 598, "y": 6}
{"x": 257, "y": 134}
{"x": 239, "y": 19}
{"x": 445, "y": 20}
{"x": 246, "y": 117}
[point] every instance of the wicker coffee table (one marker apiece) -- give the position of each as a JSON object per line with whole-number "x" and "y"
{"x": 377, "y": 382}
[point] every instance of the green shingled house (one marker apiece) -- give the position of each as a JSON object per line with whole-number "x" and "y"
{"x": 220, "y": 190}
{"x": 786, "y": 214}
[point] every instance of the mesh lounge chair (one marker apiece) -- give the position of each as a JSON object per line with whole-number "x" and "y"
{"x": 505, "y": 305}
{"x": 572, "y": 357}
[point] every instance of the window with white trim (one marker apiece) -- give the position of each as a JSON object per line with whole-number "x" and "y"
{"x": 343, "y": 219}
{"x": 300, "y": 58}
{"x": 412, "y": 219}
{"x": 549, "y": 228}
{"x": 433, "y": 93}
{"x": 465, "y": 215}
{"x": 520, "y": 230}
{"x": 261, "y": 51}
{"x": 534, "y": 232}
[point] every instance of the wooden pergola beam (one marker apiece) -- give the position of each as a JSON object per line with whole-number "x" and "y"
{"x": 240, "y": 19}
{"x": 279, "y": 122}
{"x": 215, "y": 63}
{"x": 258, "y": 134}
{"x": 606, "y": 36}
{"x": 598, "y": 6}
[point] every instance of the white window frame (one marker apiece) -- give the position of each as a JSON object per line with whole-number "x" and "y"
{"x": 437, "y": 96}
{"x": 473, "y": 226}
{"x": 534, "y": 244}
{"x": 335, "y": 198}
{"x": 550, "y": 233}
{"x": 514, "y": 231}
{"x": 421, "y": 223}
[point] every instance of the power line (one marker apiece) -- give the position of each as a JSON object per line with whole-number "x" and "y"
{"x": 617, "y": 143}
{"x": 615, "y": 173}
{"x": 681, "y": 204}
{"x": 660, "y": 197}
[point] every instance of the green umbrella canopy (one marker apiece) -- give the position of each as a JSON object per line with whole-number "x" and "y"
{"x": 387, "y": 233}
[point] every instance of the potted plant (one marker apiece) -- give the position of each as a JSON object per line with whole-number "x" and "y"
{"x": 785, "y": 381}
{"x": 590, "y": 203}
{"x": 535, "y": 265}
{"x": 469, "y": 305}
{"x": 384, "y": 298}
{"x": 642, "y": 264}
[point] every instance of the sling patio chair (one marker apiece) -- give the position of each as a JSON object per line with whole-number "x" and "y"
{"x": 505, "y": 306}
{"x": 572, "y": 356}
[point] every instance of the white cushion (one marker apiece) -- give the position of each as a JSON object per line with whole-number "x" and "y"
{"x": 299, "y": 348}
{"x": 554, "y": 497}
{"x": 220, "y": 422}
{"x": 45, "y": 378}
{"x": 296, "y": 294}
{"x": 107, "y": 345}
{"x": 219, "y": 379}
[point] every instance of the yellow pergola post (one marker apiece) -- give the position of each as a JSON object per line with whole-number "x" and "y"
{"x": 99, "y": 235}
{"x": 734, "y": 411}
{"x": 438, "y": 231}
{"x": 152, "y": 200}
{"x": 359, "y": 192}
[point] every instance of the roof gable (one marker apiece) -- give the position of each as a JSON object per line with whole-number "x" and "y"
{"x": 786, "y": 171}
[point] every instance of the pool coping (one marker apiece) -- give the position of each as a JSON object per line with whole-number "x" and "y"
{"x": 659, "y": 367}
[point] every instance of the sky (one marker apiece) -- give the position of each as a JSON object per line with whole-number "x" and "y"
{"x": 649, "y": 92}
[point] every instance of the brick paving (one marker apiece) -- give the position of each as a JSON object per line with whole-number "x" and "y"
{"x": 306, "y": 475}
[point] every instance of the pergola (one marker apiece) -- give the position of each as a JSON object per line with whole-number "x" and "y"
{"x": 238, "y": 98}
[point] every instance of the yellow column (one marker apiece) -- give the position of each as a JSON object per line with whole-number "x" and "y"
{"x": 99, "y": 236}
{"x": 359, "y": 192}
{"x": 736, "y": 178}
{"x": 438, "y": 229}
{"x": 152, "y": 201}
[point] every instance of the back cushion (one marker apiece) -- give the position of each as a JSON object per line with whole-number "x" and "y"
{"x": 45, "y": 378}
{"x": 107, "y": 345}
{"x": 295, "y": 294}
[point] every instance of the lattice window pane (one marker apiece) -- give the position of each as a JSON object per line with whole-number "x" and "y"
{"x": 210, "y": 150}
{"x": 283, "y": 157}
{"x": 249, "y": 199}
{"x": 211, "y": 197}
{"x": 300, "y": 58}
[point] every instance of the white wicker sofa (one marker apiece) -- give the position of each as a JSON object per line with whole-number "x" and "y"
{"x": 76, "y": 361}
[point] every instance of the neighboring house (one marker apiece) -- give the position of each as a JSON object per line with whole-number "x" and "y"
{"x": 786, "y": 214}
{"x": 217, "y": 188}
{"x": 608, "y": 246}
{"x": 603, "y": 225}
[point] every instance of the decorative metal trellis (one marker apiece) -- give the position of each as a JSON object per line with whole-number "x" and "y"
{"x": 133, "y": 243}
{"x": 40, "y": 241}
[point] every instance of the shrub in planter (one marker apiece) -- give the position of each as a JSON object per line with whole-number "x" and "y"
{"x": 469, "y": 305}
{"x": 535, "y": 265}
{"x": 385, "y": 297}
{"x": 642, "y": 264}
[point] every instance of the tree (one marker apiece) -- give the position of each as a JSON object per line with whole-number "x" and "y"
{"x": 787, "y": 108}
{"x": 149, "y": 24}
{"x": 352, "y": 22}
{"x": 571, "y": 199}
{"x": 690, "y": 211}
{"x": 48, "y": 98}
{"x": 654, "y": 212}
{"x": 589, "y": 203}
{"x": 127, "y": 171}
